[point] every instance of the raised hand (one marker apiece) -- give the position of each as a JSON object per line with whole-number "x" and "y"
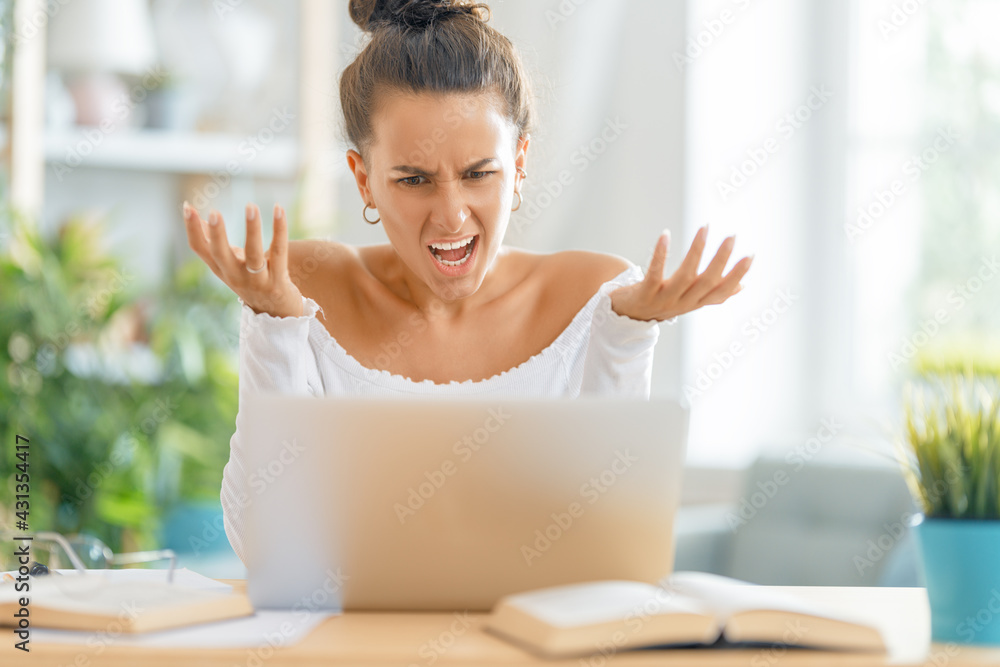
{"x": 654, "y": 298}
{"x": 259, "y": 278}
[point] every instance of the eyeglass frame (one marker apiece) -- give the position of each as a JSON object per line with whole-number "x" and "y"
{"x": 129, "y": 558}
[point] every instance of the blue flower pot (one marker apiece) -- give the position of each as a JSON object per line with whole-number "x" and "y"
{"x": 961, "y": 566}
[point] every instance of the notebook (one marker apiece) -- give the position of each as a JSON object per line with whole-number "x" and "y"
{"x": 688, "y": 608}
{"x": 97, "y": 601}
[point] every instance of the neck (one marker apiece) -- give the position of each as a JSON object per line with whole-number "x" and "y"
{"x": 449, "y": 300}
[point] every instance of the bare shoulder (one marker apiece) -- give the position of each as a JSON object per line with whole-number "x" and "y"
{"x": 574, "y": 276}
{"x": 587, "y": 269}
{"x": 313, "y": 263}
{"x": 304, "y": 247}
{"x": 602, "y": 265}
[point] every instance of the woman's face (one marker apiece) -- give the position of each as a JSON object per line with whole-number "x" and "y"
{"x": 442, "y": 170}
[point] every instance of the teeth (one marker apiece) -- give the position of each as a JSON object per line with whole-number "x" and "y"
{"x": 452, "y": 246}
{"x": 446, "y": 262}
{"x": 449, "y": 263}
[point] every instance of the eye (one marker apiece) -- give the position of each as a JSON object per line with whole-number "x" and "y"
{"x": 484, "y": 174}
{"x": 406, "y": 181}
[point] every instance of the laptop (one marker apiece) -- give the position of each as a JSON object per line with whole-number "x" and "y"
{"x": 428, "y": 503}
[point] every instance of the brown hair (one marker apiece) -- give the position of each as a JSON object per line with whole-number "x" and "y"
{"x": 438, "y": 46}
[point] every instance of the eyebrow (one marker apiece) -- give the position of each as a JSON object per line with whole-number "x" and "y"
{"x": 416, "y": 171}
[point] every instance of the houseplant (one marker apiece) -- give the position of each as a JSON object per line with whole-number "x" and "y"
{"x": 128, "y": 395}
{"x": 951, "y": 459}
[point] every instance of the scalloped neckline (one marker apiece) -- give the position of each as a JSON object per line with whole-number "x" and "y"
{"x": 367, "y": 374}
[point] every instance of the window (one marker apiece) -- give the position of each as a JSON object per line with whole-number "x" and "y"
{"x": 853, "y": 148}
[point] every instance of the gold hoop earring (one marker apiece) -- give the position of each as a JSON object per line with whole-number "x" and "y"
{"x": 364, "y": 214}
{"x": 518, "y": 201}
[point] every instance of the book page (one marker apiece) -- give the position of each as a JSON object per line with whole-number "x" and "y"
{"x": 726, "y": 596}
{"x": 593, "y": 603}
{"x": 95, "y": 593}
{"x": 757, "y": 613}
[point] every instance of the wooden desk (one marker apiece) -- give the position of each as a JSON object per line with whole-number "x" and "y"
{"x": 404, "y": 639}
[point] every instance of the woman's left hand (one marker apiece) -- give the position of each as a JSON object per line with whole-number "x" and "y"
{"x": 654, "y": 298}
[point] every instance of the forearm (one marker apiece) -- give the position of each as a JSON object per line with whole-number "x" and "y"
{"x": 619, "y": 360}
{"x": 275, "y": 356}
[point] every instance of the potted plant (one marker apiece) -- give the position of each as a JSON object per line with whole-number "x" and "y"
{"x": 128, "y": 395}
{"x": 950, "y": 453}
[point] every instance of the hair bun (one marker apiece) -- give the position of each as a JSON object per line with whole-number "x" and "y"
{"x": 416, "y": 14}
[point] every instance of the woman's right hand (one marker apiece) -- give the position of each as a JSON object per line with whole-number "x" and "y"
{"x": 268, "y": 290}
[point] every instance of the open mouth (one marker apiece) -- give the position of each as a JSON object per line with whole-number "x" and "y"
{"x": 454, "y": 254}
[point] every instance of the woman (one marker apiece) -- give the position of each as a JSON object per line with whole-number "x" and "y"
{"x": 438, "y": 107}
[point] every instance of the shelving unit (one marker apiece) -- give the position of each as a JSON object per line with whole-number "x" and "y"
{"x": 85, "y": 168}
{"x": 172, "y": 152}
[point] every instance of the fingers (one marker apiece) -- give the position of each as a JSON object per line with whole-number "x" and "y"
{"x": 689, "y": 267}
{"x": 687, "y": 272}
{"x": 714, "y": 269}
{"x": 730, "y": 285}
{"x": 254, "y": 247}
{"x": 654, "y": 275}
{"x": 279, "y": 242}
{"x": 710, "y": 277}
{"x": 195, "y": 231}
{"x": 197, "y": 238}
{"x": 218, "y": 244}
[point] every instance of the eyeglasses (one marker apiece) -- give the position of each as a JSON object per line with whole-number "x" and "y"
{"x": 50, "y": 551}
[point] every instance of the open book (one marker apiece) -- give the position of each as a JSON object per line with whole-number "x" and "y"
{"x": 687, "y": 608}
{"x": 120, "y": 601}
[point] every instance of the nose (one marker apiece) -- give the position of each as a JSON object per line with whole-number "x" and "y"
{"x": 450, "y": 210}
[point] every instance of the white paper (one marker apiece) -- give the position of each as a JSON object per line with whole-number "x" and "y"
{"x": 265, "y": 628}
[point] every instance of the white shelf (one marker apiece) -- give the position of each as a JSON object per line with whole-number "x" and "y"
{"x": 175, "y": 152}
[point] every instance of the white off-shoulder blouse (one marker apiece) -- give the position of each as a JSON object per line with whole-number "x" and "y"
{"x": 599, "y": 353}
